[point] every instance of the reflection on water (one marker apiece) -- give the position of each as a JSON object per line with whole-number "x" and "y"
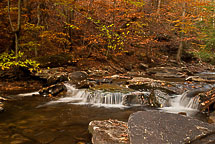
{"x": 62, "y": 123}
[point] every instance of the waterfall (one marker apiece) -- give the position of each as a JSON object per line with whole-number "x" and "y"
{"x": 189, "y": 102}
{"x": 183, "y": 103}
{"x": 96, "y": 98}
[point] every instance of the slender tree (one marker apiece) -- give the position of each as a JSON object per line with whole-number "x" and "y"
{"x": 16, "y": 30}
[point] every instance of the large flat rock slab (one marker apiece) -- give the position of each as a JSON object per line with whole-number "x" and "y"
{"x": 154, "y": 127}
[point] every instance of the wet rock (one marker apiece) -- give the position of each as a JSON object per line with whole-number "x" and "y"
{"x": 83, "y": 84}
{"x": 109, "y": 132}
{"x": 135, "y": 98}
{"x": 194, "y": 92}
{"x": 153, "y": 127}
{"x": 161, "y": 99}
{"x": 78, "y": 76}
{"x": 56, "y": 78}
{"x": 53, "y": 90}
{"x": 156, "y": 98}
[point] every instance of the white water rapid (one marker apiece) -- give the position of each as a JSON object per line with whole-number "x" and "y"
{"x": 183, "y": 103}
{"x": 95, "y": 98}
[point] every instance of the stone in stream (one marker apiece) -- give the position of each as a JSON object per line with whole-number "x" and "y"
{"x": 77, "y": 76}
{"x": 53, "y": 90}
{"x": 154, "y": 127}
{"x": 109, "y": 132}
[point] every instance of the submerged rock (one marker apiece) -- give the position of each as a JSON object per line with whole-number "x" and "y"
{"x": 154, "y": 127}
{"x": 109, "y": 132}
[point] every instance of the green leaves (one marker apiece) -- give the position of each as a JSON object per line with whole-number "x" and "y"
{"x": 10, "y": 60}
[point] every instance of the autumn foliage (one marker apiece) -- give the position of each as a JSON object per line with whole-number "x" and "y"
{"x": 154, "y": 30}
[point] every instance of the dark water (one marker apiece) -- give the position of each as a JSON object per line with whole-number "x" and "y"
{"x": 22, "y": 122}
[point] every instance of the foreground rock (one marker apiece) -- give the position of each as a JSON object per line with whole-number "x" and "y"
{"x": 109, "y": 132}
{"x": 153, "y": 127}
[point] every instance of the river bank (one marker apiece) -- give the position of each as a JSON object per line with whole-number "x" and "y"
{"x": 115, "y": 90}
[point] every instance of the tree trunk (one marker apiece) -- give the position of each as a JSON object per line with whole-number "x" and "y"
{"x": 180, "y": 48}
{"x": 17, "y": 30}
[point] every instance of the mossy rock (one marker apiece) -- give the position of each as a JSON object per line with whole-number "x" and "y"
{"x": 62, "y": 59}
{"x": 111, "y": 88}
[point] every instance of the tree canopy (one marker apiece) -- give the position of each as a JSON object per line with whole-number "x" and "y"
{"x": 155, "y": 29}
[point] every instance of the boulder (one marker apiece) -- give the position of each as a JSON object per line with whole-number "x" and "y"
{"x": 53, "y": 90}
{"x": 159, "y": 98}
{"x": 135, "y": 98}
{"x": 153, "y": 127}
{"x": 77, "y": 76}
{"x": 109, "y": 132}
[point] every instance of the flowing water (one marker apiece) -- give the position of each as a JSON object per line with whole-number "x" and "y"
{"x": 36, "y": 119}
{"x": 182, "y": 103}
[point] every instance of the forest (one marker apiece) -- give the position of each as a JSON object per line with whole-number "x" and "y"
{"x": 98, "y": 30}
{"x": 107, "y": 71}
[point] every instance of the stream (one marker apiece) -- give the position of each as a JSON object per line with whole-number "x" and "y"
{"x": 36, "y": 119}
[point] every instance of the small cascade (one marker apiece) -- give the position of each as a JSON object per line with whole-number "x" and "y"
{"x": 84, "y": 96}
{"x": 183, "y": 103}
{"x": 189, "y": 102}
